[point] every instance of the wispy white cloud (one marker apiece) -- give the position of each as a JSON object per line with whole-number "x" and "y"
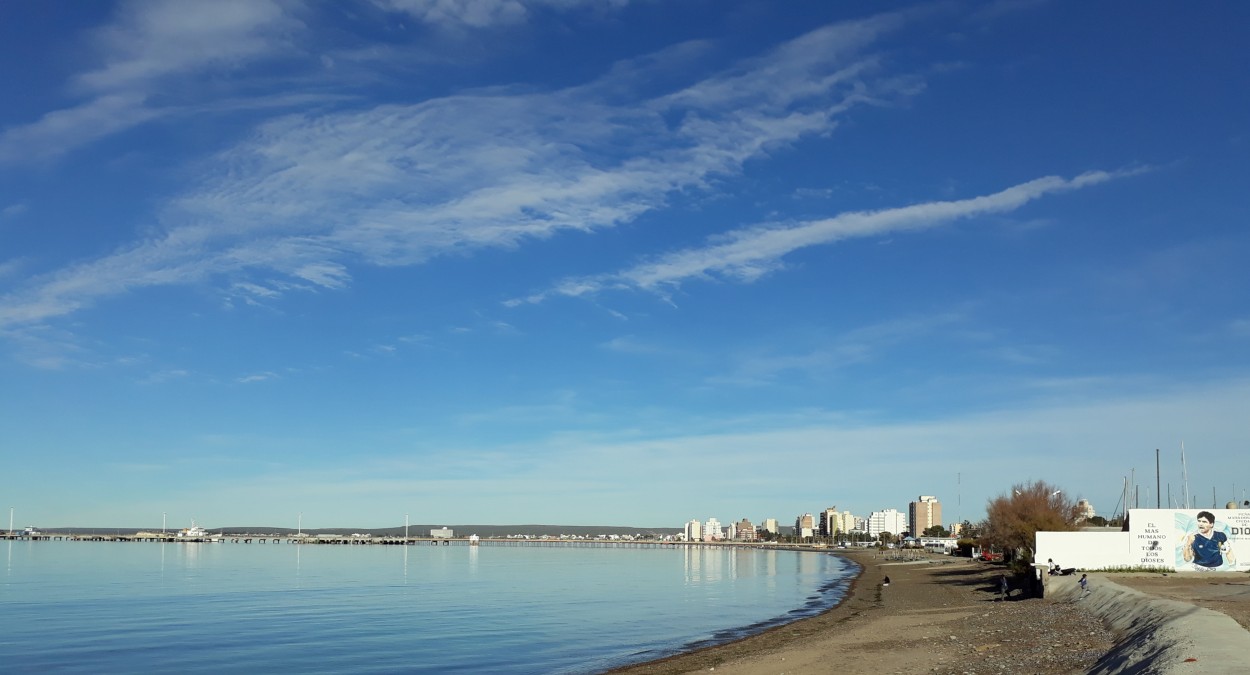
{"x": 162, "y": 376}
{"x": 150, "y": 40}
{"x": 746, "y": 255}
{"x": 629, "y": 344}
{"x": 10, "y": 268}
{"x": 836, "y": 352}
{"x": 257, "y": 377}
{"x": 308, "y": 195}
{"x": 996, "y": 9}
{"x": 146, "y": 45}
{"x": 13, "y": 210}
{"x": 48, "y": 348}
{"x": 1025, "y": 355}
{"x": 61, "y": 130}
{"x": 485, "y": 13}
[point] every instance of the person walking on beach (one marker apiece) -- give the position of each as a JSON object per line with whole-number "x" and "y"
{"x": 1084, "y": 582}
{"x": 1004, "y": 589}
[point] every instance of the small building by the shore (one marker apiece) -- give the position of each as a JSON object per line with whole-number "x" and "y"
{"x": 442, "y": 533}
{"x": 939, "y": 544}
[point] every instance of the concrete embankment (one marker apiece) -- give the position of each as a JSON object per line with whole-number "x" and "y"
{"x": 1160, "y": 636}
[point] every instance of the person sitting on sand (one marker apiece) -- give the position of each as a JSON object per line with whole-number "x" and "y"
{"x": 885, "y": 582}
{"x": 1054, "y": 567}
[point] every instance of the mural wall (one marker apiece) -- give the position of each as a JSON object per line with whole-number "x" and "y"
{"x": 1189, "y": 540}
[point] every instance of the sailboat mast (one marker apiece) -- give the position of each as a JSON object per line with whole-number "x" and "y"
{"x": 1184, "y": 476}
{"x": 1158, "y": 493}
{"x": 1124, "y": 496}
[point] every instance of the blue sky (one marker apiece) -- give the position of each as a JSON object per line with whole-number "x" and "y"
{"x": 630, "y": 262}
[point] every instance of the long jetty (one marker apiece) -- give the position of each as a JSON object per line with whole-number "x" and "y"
{"x": 349, "y": 540}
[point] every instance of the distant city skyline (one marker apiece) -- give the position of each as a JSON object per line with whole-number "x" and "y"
{"x": 539, "y": 261}
{"x": 922, "y": 513}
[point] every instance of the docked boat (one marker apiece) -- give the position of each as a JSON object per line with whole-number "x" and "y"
{"x": 193, "y": 532}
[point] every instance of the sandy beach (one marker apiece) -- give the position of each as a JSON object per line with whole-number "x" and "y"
{"x": 943, "y": 615}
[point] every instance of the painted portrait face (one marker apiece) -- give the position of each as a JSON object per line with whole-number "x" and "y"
{"x": 1204, "y": 525}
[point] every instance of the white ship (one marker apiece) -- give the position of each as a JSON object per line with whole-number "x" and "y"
{"x": 193, "y": 532}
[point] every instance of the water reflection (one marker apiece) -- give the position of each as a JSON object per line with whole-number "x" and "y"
{"x": 710, "y": 564}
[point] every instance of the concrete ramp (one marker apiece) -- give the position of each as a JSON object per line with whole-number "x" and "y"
{"x": 1158, "y": 636}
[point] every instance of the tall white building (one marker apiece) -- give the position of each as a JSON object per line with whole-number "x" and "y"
{"x": 731, "y": 531}
{"x": 712, "y": 531}
{"x": 1085, "y": 509}
{"x": 770, "y": 526}
{"x": 694, "y": 531}
{"x": 889, "y": 520}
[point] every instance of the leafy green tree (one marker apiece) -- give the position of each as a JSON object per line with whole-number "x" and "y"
{"x": 936, "y": 531}
{"x": 1015, "y": 519}
{"x": 1098, "y": 521}
{"x": 886, "y": 538}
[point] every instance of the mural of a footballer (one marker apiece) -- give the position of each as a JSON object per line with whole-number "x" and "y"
{"x": 1207, "y": 549}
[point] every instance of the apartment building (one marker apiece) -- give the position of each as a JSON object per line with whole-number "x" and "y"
{"x": 922, "y": 514}
{"x": 887, "y": 520}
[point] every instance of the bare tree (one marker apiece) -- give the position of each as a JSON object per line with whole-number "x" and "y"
{"x": 1014, "y": 519}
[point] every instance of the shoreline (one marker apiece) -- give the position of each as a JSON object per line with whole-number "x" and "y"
{"x": 858, "y": 599}
{"x": 945, "y": 615}
{"x": 938, "y": 615}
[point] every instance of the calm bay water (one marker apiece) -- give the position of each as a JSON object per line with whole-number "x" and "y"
{"x": 100, "y": 607}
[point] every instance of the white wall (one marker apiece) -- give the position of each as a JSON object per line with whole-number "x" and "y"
{"x": 1084, "y": 550}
